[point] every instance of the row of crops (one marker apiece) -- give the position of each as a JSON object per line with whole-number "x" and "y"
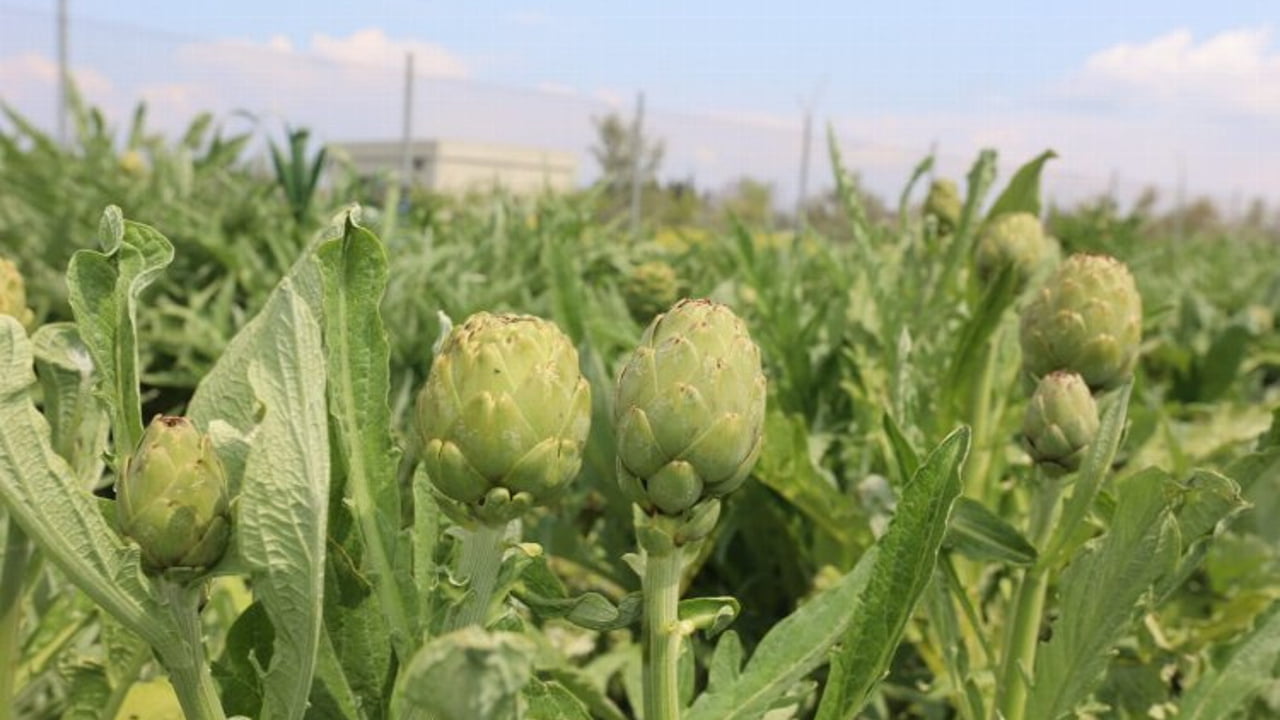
{"x": 278, "y": 448}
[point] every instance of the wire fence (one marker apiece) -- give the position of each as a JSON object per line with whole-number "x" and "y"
{"x": 353, "y": 89}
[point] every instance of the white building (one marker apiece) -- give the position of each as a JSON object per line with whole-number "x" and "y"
{"x": 457, "y": 166}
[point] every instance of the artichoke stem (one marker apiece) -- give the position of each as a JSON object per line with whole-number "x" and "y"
{"x": 1021, "y": 646}
{"x": 15, "y": 562}
{"x": 661, "y": 585}
{"x": 481, "y": 560}
{"x": 189, "y": 671}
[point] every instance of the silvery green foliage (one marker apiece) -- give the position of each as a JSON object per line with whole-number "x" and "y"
{"x": 1060, "y": 423}
{"x": 504, "y": 414}
{"x": 1086, "y": 319}
{"x": 689, "y": 408}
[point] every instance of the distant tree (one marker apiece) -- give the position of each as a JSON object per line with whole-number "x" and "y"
{"x": 750, "y": 201}
{"x": 616, "y": 149}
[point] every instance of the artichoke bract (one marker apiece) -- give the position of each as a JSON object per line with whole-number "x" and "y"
{"x": 504, "y": 415}
{"x": 13, "y": 294}
{"x": 689, "y": 408}
{"x": 1086, "y": 319}
{"x": 172, "y": 497}
{"x": 943, "y": 203}
{"x": 1015, "y": 240}
{"x": 1061, "y": 422}
{"x": 649, "y": 289}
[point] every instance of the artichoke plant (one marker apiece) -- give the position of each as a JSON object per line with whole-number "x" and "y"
{"x": 689, "y": 409}
{"x": 13, "y": 294}
{"x": 1086, "y": 319}
{"x": 1014, "y": 240}
{"x": 943, "y": 203}
{"x": 172, "y": 497}
{"x": 504, "y": 415}
{"x": 650, "y": 288}
{"x": 1061, "y": 422}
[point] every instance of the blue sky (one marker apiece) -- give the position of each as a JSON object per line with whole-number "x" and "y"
{"x": 1128, "y": 89}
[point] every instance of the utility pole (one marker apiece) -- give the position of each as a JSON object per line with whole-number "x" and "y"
{"x": 64, "y": 74}
{"x": 406, "y": 136}
{"x": 806, "y": 142}
{"x": 802, "y": 186}
{"x": 637, "y": 151}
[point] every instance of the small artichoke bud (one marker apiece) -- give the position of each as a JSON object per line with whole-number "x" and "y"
{"x": 689, "y": 409}
{"x": 1061, "y": 422}
{"x": 172, "y": 497}
{"x": 943, "y": 203}
{"x": 1015, "y": 240}
{"x": 1087, "y": 319}
{"x": 649, "y": 289}
{"x": 504, "y": 415}
{"x": 13, "y": 294}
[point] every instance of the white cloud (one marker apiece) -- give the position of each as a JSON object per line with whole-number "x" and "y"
{"x": 553, "y": 88}
{"x": 30, "y": 75}
{"x": 371, "y": 46}
{"x": 1237, "y": 71}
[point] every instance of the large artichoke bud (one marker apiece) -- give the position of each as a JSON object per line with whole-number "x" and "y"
{"x": 172, "y": 497}
{"x": 1014, "y": 240}
{"x": 1086, "y": 319}
{"x": 649, "y": 289}
{"x": 1061, "y": 422}
{"x": 943, "y": 203}
{"x": 504, "y": 415}
{"x": 13, "y": 294}
{"x": 689, "y": 409}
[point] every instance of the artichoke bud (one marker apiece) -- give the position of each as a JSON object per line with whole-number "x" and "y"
{"x": 1015, "y": 240}
{"x": 1087, "y": 319}
{"x": 650, "y": 288}
{"x": 504, "y": 415}
{"x": 13, "y": 294}
{"x": 944, "y": 205}
{"x": 689, "y": 409}
{"x": 1061, "y": 422}
{"x": 172, "y": 497}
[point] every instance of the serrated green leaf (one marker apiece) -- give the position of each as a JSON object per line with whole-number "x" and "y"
{"x": 908, "y": 553}
{"x": 980, "y": 534}
{"x": 1023, "y": 192}
{"x": 1249, "y": 666}
{"x": 792, "y": 649}
{"x": 354, "y": 269}
{"x": 552, "y": 701}
{"x": 62, "y": 518}
{"x": 1100, "y": 593}
{"x": 283, "y": 506}
{"x": 103, "y": 290}
{"x": 78, "y": 426}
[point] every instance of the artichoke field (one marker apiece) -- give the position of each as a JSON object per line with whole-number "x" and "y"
{"x": 494, "y": 458}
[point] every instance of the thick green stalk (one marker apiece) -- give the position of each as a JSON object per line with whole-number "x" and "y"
{"x": 15, "y": 560}
{"x": 662, "y": 634}
{"x": 980, "y": 416}
{"x": 186, "y": 663}
{"x": 1028, "y": 609}
{"x": 480, "y": 562}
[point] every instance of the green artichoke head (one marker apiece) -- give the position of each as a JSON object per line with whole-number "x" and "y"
{"x": 1087, "y": 319}
{"x": 1015, "y": 240}
{"x": 504, "y": 415}
{"x": 172, "y": 497}
{"x": 650, "y": 288}
{"x": 13, "y": 294}
{"x": 944, "y": 204}
{"x": 1061, "y": 422}
{"x": 689, "y": 408}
